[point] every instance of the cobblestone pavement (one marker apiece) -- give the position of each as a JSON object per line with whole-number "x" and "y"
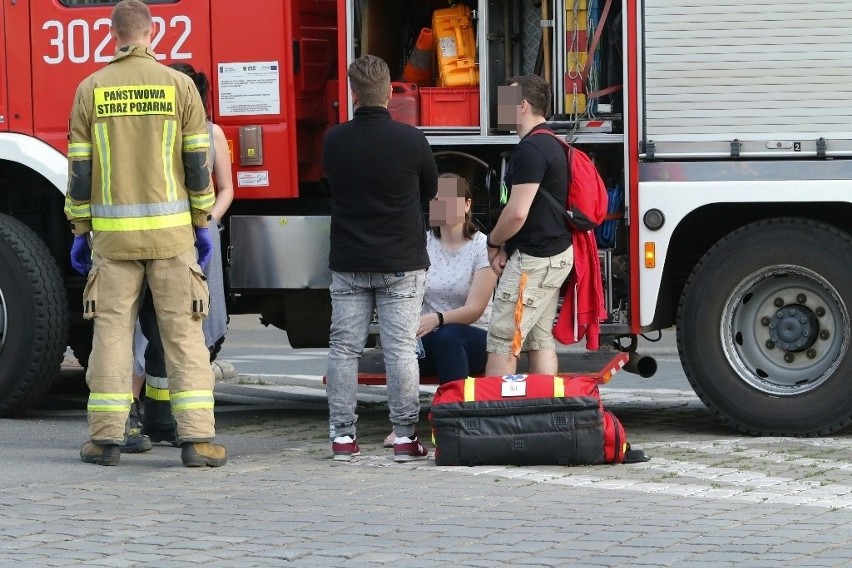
{"x": 709, "y": 497}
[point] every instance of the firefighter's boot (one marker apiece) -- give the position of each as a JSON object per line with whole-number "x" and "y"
{"x": 158, "y": 423}
{"x": 108, "y": 454}
{"x": 200, "y": 454}
{"x": 134, "y": 440}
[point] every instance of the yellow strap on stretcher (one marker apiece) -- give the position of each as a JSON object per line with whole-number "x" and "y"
{"x": 470, "y": 388}
{"x": 558, "y": 387}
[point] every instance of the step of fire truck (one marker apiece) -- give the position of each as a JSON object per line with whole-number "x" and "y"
{"x": 588, "y": 364}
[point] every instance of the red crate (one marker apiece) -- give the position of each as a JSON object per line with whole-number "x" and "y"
{"x": 449, "y": 106}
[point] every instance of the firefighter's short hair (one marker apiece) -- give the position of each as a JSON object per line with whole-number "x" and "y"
{"x": 369, "y": 78}
{"x": 536, "y": 91}
{"x": 131, "y": 20}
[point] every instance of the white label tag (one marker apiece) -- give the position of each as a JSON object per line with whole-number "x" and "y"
{"x": 252, "y": 179}
{"x": 514, "y": 388}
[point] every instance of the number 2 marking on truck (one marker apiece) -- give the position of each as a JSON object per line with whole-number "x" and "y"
{"x": 74, "y": 40}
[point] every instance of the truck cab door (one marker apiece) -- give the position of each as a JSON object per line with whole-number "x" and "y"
{"x": 253, "y": 92}
{"x": 71, "y": 39}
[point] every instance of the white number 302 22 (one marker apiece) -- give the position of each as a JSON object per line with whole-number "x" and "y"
{"x": 74, "y": 42}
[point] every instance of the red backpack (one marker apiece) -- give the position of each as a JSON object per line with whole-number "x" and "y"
{"x": 587, "y": 198}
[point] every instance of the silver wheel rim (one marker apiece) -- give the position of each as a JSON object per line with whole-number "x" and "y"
{"x": 769, "y": 301}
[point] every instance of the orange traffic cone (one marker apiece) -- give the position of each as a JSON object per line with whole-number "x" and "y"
{"x": 418, "y": 70}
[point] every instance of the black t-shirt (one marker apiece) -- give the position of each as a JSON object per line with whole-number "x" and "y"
{"x": 382, "y": 175}
{"x": 540, "y": 159}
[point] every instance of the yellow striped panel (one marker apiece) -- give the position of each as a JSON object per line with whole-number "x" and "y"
{"x": 80, "y": 150}
{"x": 192, "y": 400}
{"x": 203, "y": 202}
{"x": 169, "y": 129}
{"x": 83, "y": 210}
{"x": 558, "y": 387}
{"x": 105, "y": 160}
{"x": 196, "y": 142}
{"x": 109, "y": 402}
{"x": 141, "y": 223}
{"x": 469, "y": 389}
{"x": 156, "y": 394}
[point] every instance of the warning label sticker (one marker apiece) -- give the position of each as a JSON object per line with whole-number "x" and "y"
{"x": 134, "y": 100}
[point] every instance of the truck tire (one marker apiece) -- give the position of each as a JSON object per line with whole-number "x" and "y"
{"x": 763, "y": 328}
{"x": 33, "y": 317}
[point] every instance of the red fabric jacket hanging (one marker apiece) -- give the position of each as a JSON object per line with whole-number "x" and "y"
{"x": 582, "y": 305}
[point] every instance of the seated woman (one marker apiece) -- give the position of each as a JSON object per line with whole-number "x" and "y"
{"x": 459, "y": 286}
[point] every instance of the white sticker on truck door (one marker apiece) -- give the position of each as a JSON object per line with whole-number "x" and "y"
{"x": 252, "y": 179}
{"x": 250, "y": 88}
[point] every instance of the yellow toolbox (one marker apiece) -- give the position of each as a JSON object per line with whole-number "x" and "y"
{"x": 455, "y": 47}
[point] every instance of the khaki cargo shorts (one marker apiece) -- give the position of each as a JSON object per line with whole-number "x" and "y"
{"x": 539, "y": 301}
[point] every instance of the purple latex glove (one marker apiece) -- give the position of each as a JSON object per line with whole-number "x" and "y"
{"x": 204, "y": 246}
{"x": 81, "y": 254}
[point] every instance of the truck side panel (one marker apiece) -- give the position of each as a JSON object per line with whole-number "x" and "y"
{"x": 772, "y": 75}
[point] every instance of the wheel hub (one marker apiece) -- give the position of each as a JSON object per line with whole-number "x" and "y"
{"x": 794, "y": 328}
{"x": 784, "y": 330}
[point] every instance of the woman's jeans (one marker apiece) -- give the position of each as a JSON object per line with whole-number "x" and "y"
{"x": 454, "y": 351}
{"x": 397, "y": 297}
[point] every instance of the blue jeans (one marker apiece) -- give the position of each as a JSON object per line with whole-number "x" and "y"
{"x": 397, "y": 297}
{"x": 454, "y": 351}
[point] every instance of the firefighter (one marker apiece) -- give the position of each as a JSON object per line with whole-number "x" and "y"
{"x": 139, "y": 182}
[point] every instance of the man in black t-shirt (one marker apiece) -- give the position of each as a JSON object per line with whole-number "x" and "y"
{"x": 530, "y": 246}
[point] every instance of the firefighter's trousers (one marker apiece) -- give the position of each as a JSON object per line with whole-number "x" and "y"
{"x": 181, "y": 299}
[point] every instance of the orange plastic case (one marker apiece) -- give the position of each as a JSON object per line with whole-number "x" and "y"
{"x": 455, "y": 47}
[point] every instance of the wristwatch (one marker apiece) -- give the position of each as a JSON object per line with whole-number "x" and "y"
{"x": 488, "y": 242}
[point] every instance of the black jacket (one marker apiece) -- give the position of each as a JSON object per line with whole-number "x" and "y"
{"x": 382, "y": 174}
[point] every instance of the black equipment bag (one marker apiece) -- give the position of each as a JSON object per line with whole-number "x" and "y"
{"x": 524, "y": 420}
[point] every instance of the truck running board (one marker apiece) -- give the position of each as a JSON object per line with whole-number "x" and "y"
{"x": 602, "y": 377}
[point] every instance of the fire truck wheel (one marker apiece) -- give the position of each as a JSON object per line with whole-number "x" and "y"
{"x": 33, "y": 317}
{"x": 763, "y": 328}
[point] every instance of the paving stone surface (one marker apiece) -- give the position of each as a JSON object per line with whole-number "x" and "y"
{"x": 708, "y": 497}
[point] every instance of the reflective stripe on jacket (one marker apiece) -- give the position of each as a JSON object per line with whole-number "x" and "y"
{"x": 138, "y": 152}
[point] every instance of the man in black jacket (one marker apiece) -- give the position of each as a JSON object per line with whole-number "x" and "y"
{"x": 381, "y": 174}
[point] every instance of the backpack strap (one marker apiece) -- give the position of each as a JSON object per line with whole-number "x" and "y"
{"x": 565, "y": 213}
{"x": 563, "y": 209}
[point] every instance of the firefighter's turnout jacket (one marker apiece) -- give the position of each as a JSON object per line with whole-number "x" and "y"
{"x": 138, "y": 209}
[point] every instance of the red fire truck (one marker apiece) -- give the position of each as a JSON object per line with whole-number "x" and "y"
{"x": 721, "y": 128}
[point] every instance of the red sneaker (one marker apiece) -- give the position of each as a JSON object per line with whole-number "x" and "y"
{"x": 344, "y": 448}
{"x": 409, "y": 449}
